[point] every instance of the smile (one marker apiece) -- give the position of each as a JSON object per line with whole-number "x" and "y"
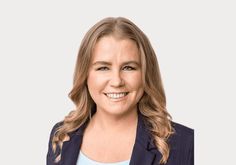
{"x": 116, "y": 95}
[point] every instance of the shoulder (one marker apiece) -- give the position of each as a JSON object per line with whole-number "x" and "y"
{"x": 182, "y": 130}
{"x": 182, "y": 144}
{"x": 55, "y": 128}
{"x": 51, "y": 156}
{"x": 182, "y": 135}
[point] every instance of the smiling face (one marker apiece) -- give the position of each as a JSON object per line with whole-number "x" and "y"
{"x": 115, "y": 77}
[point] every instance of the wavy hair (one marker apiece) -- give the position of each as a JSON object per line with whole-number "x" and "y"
{"x": 152, "y": 105}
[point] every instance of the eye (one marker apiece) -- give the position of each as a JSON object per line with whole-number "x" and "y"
{"x": 102, "y": 68}
{"x": 129, "y": 68}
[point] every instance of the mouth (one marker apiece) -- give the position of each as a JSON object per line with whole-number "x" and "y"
{"x": 116, "y": 95}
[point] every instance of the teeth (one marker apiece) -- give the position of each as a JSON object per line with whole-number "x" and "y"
{"x": 116, "y": 95}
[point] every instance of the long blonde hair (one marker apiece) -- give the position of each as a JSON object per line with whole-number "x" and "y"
{"x": 152, "y": 105}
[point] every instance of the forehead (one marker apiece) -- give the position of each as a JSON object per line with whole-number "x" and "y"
{"x": 110, "y": 48}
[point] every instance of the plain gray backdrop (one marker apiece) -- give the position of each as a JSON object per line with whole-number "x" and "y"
{"x": 195, "y": 46}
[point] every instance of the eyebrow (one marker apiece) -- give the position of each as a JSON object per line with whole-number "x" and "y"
{"x": 108, "y": 63}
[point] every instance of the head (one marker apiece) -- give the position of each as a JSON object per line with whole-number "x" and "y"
{"x": 120, "y": 29}
{"x": 115, "y": 78}
{"x": 144, "y": 85}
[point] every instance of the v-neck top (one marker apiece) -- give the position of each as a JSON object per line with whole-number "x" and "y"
{"x": 84, "y": 160}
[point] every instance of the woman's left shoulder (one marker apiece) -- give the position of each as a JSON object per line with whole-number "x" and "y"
{"x": 182, "y": 139}
{"x": 182, "y": 145}
{"x": 182, "y": 130}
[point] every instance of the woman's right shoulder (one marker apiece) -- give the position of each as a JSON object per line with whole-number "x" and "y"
{"x": 55, "y": 128}
{"x": 53, "y": 131}
{"x": 51, "y": 156}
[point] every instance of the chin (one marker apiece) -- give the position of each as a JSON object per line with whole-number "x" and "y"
{"x": 118, "y": 111}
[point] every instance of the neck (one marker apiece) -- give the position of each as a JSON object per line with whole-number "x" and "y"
{"x": 114, "y": 124}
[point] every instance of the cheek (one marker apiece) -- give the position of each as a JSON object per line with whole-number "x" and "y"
{"x": 137, "y": 85}
{"x": 135, "y": 81}
{"x": 95, "y": 82}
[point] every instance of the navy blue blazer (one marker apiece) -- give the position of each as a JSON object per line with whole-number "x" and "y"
{"x": 144, "y": 151}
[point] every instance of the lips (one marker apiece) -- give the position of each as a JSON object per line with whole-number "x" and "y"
{"x": 116, "y": 95}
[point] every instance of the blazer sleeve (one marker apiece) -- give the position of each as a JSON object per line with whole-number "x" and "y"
{"x": 50, "y": 154}
{"x": 190, "y": 155}
{"x": 182, "y": 144}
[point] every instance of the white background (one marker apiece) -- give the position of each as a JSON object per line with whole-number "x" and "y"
{"x": 195, "y": 45}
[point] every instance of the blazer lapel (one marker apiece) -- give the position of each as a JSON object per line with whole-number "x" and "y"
{"x": 144, "y": 151}
{"x": 141, "y": 156}
{"x": 71, "y": 148}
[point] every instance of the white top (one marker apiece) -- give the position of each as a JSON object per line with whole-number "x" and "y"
{"x": 84, "y": 160}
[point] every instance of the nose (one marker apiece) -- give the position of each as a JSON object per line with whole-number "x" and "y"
{"x": 116, "y": 79}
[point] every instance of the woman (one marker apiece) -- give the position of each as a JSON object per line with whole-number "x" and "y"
{"x": 120, "y": 116}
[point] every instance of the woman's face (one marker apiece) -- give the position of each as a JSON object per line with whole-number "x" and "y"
{"x": 114, "y": 78}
